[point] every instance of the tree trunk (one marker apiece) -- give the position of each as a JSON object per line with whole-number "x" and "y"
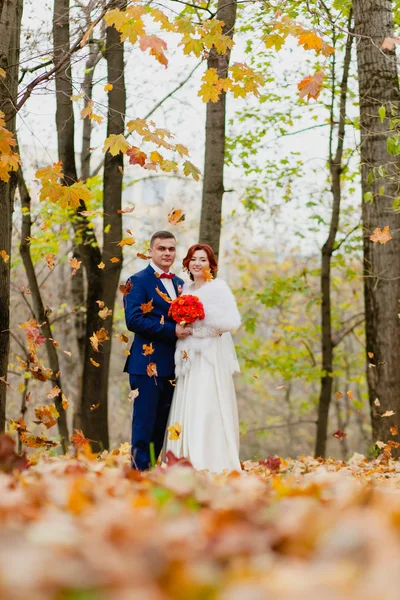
{"x": 40, "y": 313}
{"x": 10, "y": 27}
{"x": 213, "y": 184}
{"x": 379, "y": 86}
{"x": 95, "y": 380}
{"x": 335, "y": 166}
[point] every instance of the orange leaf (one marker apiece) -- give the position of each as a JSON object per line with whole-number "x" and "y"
{"x": 152, "y": 370}
{"x": 125, "y": 289}
{"x": 311, "y": 85}
{"x": 78, "y": 439}
{"x": 4, "y": 256}
{"x": 94, "y": 407}
{"x": 339, "y": 434}
{"x": 36, "y": 441}
{"x": 98, "y": 338}
{"x": 394, "y": 430}
{"x": 50, "y": 260}
{"x": 147, "y": 307}
{"x": 163, "y": 296}
{"x": 64, "y": 401}
{"x": 129, "y": 241}
{"x": 208, "y": 276}
{"x": 54, "y": 392}
{"x": 108, "y": 87}
{"x": 148, "y": 349}
{"x": 175, "y": 431}
{"x": 350, "y": 394}
{"x": 46, "y": 415}
{"x": 176, "y": 216}
{"x": 157, "y": 47}
{"x": 136, "y": 156}
{"x": 338, "y": 395}
{"x": 142, "y": 256}
{"x": 75, "y": 265}
{"x": 382, "y": 236}
{"x": 114, "y": 259}
{"x": 126, "y": 210}
{"x": 94, "y": 363}
{"x": 123, "y": 338}
{"x": 101, "y": 265}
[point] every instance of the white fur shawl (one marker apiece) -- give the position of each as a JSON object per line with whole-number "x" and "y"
{"x": 221, "y": 313}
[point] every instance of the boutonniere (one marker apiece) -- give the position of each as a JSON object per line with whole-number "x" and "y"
{"x": 179, "y": 289}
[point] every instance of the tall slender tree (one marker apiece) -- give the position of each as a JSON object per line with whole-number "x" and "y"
{"x": 379, "y": 103}
{"x": 10, "y": 26}
{"x": 328, "y": 249}
{"x": 214, "y": 159}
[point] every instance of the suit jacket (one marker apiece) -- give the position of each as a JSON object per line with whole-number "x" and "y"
{"x": 150, "y": 327}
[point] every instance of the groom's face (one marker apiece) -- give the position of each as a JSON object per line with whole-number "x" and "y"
{"x": 163, "y": 253}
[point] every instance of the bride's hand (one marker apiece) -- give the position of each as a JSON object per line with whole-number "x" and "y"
{"x": 182, "y": 332}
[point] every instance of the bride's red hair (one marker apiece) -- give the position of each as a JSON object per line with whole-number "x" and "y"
{"x": 210, "y": 255}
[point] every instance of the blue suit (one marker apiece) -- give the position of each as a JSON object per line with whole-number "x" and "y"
{"x": 151, "y": 407}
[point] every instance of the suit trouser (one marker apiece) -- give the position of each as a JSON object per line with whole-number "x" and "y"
{"x": 150, "y": 415}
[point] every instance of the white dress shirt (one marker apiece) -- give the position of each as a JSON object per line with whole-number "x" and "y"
{"x": 167, "y": 283}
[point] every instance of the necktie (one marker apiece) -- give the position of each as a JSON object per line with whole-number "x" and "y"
{"x": 167, "y": 275}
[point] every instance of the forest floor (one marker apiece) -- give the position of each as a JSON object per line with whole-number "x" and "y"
{"x": 89, "y": 528}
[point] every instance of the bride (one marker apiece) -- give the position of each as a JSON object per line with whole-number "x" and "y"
{"x": 204, "y": 402}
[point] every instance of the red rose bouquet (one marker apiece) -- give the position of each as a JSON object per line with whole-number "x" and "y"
{"x": 186, "y": 309}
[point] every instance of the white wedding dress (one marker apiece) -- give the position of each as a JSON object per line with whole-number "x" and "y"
{"x": 204, "y": 402}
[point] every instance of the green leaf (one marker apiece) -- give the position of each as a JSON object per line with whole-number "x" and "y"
{"x": 368, "y": 197}
{"x": 382, "y": 113}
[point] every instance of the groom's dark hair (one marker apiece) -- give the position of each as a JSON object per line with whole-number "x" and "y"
{"x": 161, "y": 235}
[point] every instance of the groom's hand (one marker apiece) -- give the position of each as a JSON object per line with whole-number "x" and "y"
{"x": 182, "y": 332}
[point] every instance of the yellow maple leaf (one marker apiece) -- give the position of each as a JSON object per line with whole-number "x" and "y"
{"x": 181, "y": 150}
{"x": 101, "y": 265}
{"x": 46, "y": 415}
{"x": 176, "y": 216}
{"x": 190, "y": 169}
{"x": 310, "y": 41}
{"x": 2, "y": 73}
{"x": 175, "y": 431}
{"x": 108, "y": 87}
{"x": 4, "y": 256}
{"x": 115, "y": 144}
{"x": 71, "y": 195}
{"x": 156, "y": 157}
{"x": 311, "y": 85}
{"x": 114, "y": 259}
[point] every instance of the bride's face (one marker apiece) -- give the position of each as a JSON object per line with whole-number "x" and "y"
{"x": 198, "y": 263}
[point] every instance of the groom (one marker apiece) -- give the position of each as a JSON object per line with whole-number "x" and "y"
{"x": 151, "y": 361}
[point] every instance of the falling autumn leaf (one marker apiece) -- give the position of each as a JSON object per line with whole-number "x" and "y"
{"x": 101, "y": 265}
{"x": 371, "y": 354}
{"x": 338, "y": 395}
{"x": 175, "y": 431}
{"x": 4, "y": 256}
{"x": 350, "y": 394}
{"x": 339, "y": 434}
{"x": 394, "y": 430}
{"x": 208, "y": 276}
{"x": 94, "y": 363}
{"x": 75, "y": 265}
{"x": 311, "y": 85}
{"x": 104, "y": 313}
{"x": 184, "y": 355}
{"x": 382, "y": 236}
{"x": 148, "y": 349}
{"x": 129, "y": 241}
{"x": 78, "y": 439}
{"x": 37, "y": 441}
{"x": 98, "y": 338}
{"x": 123, "y": 211}
{"x": 64, "y": 401}
{"x": 50, "y": 260}
{"x": 54, "y": 392}
{"x": 147, "y": 307}
{"x": 388, "y": 413}
{"x": 156, "y": 46}
{"x": 152, "y": 370}
{"x": 163, "y": 295}
{"x": 114, "y": 259}
{"x": 143, "y": 256}
{"x": 94, "y": 407}
{"x": 123, "y": 338}
{"x": 46, "y": 415}
{"x": 125, "y": 289}
{"x": 108, "y": 87}
{"x": 133, "y": 394}
{"x": 376, "y": 402}
{"x": 176, "y": 216}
